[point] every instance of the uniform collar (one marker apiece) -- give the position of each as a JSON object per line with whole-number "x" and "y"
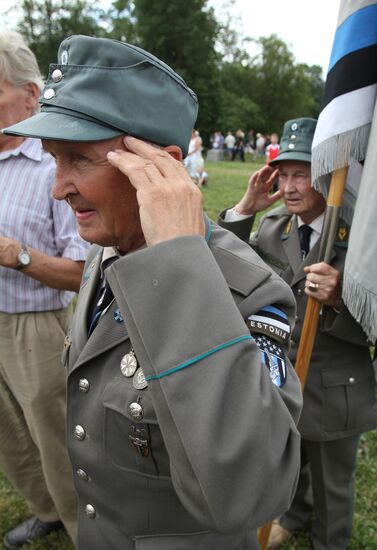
{"x": 316, "y": 224}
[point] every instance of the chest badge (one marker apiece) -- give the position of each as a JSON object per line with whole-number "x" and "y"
{"x": 342, "y": 233}
{"x": 139, "y": 382}
{"x": 118, "y": 316}
{"x": 128, "y": 364}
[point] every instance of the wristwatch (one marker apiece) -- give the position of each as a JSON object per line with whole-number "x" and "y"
{"x": 23, "y": 258}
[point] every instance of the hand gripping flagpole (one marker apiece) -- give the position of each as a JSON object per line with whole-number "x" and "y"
{"x": 313, "y": 306}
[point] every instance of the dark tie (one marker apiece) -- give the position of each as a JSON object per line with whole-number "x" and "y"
{"x": 104, "y": 298}
{"x": 305, "y": 231}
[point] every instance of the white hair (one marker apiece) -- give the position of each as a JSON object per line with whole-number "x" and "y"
{"x": 18, "y": 64}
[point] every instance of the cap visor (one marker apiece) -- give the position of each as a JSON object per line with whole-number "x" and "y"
{"x": 292, "y": 155}
{"x": 63, "y": 127}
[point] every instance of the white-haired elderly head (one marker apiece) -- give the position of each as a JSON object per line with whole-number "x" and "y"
{"x": 20, "y": 84}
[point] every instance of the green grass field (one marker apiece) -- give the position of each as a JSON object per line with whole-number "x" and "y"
{"x": 227, "y": 182}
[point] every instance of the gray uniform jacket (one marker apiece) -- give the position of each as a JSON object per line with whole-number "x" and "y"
{"x": 216, "y": 451}
{"x": 340, "y": 391}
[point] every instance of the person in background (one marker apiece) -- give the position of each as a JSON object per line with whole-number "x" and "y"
{"x": 272, "y": 150}
{"x": 41, "y": 263}
{"x": 340, "y": 391}
{"x": 239, "y": 146}
{"x": 177, "y": 413}
{"x": 194, "y": 156}
{"x": 260, "y": 144}
{"x": 230, "y": 141}
{"x": 218, "y": 141}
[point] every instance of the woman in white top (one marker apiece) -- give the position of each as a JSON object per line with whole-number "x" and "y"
{"x": 194, "y": 156}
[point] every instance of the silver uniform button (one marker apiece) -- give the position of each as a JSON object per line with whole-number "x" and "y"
{"x": 139, "y": 382}
{"x": 49, "y": 93}
{"x": 300, "y": 292}
{"x": 292, "y": 137}
{"x": 80, "y": 433}
{"x": 84, "y": 385}
{"x": 57, "y": 75}
{"x": 90, "y": 511}
{"x": 291, "y": 146}
{"x": 351, "y": 380}
{"x": 294, "y": 126}
{"x": 136, "y": 411}
{"x": 82, "y": 474}
{"x": 128, "y": 364}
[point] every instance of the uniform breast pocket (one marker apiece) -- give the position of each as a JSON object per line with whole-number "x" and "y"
{"x": 132, "y": 437}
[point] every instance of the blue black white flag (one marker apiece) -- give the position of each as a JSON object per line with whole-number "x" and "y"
{"x": 344, "y": 123}
{"x": 346, "y": 134}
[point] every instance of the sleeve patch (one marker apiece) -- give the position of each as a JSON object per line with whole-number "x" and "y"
{"x": 272, "y": 322}
{"x": 273, "y": 357}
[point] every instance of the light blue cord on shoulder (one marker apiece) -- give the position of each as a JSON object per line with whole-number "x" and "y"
{"x": 199, "y": 357}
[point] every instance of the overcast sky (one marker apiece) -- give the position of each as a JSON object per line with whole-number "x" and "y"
{"x": 307, "y": 27}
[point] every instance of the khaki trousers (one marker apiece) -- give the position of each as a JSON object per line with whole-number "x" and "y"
{"x": 33, "y": 452}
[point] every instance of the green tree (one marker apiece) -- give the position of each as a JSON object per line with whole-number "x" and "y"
{"x": 45, "y": 23}
{"x": 282, "y": 88}
{"x": 237, "y": 108}
{"x": 313, "y": 73}
{"x": 183, "y": 34}
{"x": 121, "y": 21}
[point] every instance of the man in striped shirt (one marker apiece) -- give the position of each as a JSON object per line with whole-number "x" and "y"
{"x": 41, "y": 262}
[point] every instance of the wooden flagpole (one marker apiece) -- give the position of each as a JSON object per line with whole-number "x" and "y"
{"x": 313, "y": 306}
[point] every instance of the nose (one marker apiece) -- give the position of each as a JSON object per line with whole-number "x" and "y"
{"x": 289, "y": 185}
{"x": 63, "y": 184}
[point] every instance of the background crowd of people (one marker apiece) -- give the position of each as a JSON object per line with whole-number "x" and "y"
{"x": 238, "y": 143}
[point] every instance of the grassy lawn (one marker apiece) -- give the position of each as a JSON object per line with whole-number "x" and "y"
{"x": 227, "y": 181}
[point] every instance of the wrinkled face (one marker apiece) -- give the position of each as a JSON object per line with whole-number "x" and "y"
{"x": 102, "y": 198}
{"x": 299, "y": 196}
{"x": 16, "y": 104}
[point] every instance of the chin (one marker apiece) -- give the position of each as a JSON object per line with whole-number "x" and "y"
{"x": 93, "y": 237}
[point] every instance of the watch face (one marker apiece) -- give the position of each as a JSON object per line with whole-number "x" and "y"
{"x": 24, "y": 257}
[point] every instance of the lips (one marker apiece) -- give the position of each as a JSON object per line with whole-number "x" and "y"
{"x": 82, "y": 215}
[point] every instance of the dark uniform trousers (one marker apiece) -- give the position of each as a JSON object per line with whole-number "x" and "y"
{"x": 339, "y": 396}
{"x": 186, "y": 461}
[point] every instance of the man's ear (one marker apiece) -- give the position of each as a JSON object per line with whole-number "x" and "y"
{"x": 32, "y": 95}
{"x": 174, "y": 151}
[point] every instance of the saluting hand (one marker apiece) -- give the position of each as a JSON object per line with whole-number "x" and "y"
{"x": 170, "y": 204}
{"x": 257, "y": 195}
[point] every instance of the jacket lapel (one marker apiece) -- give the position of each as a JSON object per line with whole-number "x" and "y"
{"x": 291, "y": 245}
{"x": 109, "y": 331}
{"x": 311, "y": 258}
{"x": 88, "y": 288}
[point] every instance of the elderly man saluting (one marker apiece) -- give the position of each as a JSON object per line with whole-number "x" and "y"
{"x": 177, "y": 412}
{"x": 339, "y": 396}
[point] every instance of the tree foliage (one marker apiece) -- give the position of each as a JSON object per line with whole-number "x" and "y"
{"x": 46, "y": 23}
{"x": 235, "y": 90}
{"x": 183, "y": 34}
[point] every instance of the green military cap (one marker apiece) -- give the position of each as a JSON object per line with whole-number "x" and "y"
{"x": 102, "y": 88}
{"x": 296, "y": 140}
